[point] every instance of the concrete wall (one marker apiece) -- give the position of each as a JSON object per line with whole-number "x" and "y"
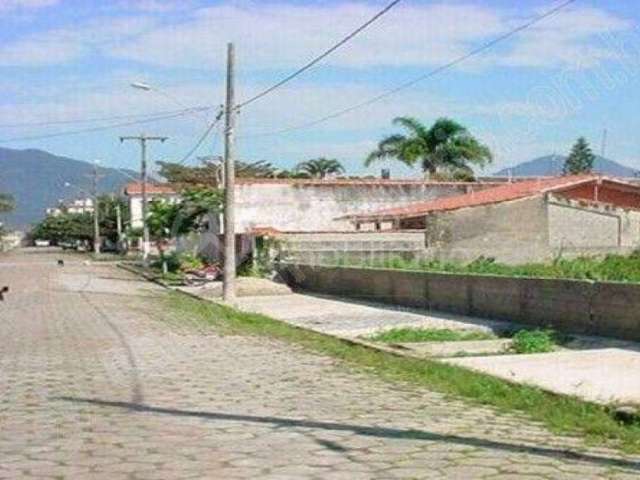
{"x": 608, "y": 309}
{"x": 291, "y": 206}
{"x": 334, "y": 248}
{"x": 534, "y": 229}
{"x": 591, "y": 227}
{"x": 511, "y": 232}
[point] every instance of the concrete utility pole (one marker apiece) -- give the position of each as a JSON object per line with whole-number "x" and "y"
{"x": 143, "y": 139}
{"x": 118, "y": 223}
{"x": 229, "y": 279}
{"x": 96, "y": 212}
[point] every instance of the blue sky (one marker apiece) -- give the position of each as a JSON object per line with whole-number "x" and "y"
{"x": 571, "y": 75}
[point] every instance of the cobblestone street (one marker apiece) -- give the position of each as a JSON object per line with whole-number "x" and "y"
{"x": 97, "y": 381}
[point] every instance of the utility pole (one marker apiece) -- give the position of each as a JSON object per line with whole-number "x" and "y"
{"x": 143, "y": 139}
{"x": 118, "y": 223}
{"x": 229, "y": 278}
{"x": 96, "y": 212}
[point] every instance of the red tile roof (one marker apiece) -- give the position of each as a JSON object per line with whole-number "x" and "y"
{"x": 152, "y": 188}
{"x": 264, "y": 231}
{"x": 352, "y": 181}
{"x": 502, "y": 193}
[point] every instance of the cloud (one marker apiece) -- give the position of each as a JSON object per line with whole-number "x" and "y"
{"x": 570, "y": 39}
{"x": 272, "y": 36}
{"x": 7, "y": 6}
{"x": 64, "y": 45}
{"x": 151, "y": 6}
{"x": 279, "y": 35}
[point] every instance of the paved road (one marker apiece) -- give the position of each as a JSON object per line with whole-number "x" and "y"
{"x": 97, "y": 381}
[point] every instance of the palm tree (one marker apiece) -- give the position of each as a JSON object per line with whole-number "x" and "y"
{"x": 445, "y": 146}
{"x": 320, "y": 167}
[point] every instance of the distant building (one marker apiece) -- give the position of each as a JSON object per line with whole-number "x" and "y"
{"x": 524, "y": 221}
{"x": 78, "y": 205}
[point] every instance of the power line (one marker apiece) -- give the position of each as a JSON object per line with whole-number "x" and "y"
{"x": 323, "y": 55}
{"x": 96, "y": 129}
{"x": 202, "y": 138}
{"x": 431, "y": 73}
{"x": 100, "y": 119}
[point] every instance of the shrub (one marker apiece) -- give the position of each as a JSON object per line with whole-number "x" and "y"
{"x": 189, "y": 261}
{"x": 534, "y": 341}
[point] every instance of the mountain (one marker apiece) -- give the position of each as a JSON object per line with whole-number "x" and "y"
{"x": 553, "y": 164}
{"x": 37, "y": 180}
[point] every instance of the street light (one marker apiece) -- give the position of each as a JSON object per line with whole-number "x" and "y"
{"x": 152, "y": 88}
{"x": 141, "y": 86}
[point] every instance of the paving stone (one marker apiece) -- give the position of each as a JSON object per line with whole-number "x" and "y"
{"x": 99, "y": 380}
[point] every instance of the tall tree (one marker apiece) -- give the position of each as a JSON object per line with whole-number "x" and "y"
{"x": 581, "y": 158}
{"x": 65, "y": 227}
{"x": 445, "y": 146}
{"x": 169, "y": 220}
{"x": 108, "y": 216}
{"x": 320, "y": 167}
{"x": 6, "y": 203}
{"x": 209, "y": 172}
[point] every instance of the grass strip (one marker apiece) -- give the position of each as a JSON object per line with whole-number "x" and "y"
{"x": 560, "y": 414}
{"x": 410, "y": 335}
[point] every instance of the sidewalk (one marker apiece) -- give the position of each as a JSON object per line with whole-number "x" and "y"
{"x": 603, "y": 371}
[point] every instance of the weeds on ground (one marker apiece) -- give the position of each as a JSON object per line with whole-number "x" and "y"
{"x": 534, "y": 341}
{"x": 409, "y": 335}
{"x": 617, "y": 268}
{"x": 561, "y": 414}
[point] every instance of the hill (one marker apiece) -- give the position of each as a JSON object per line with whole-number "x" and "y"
{"x": 37, "y": 179}
{"x": 552, "y": 165}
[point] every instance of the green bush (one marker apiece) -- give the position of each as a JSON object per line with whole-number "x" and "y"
{"x": 534, "y": 341}
{"x": 177, "y": 262}
{"x": 616, "y": 268}
{"x": 188, "y": 261}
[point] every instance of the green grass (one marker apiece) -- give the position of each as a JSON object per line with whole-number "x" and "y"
{"x": 560, "y": 414}
{"x": 534, "y": 341}
{"x": 618, "y": 268}
{"x": 409, "y": 335}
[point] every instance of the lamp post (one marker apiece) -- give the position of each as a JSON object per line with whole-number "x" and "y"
{"x": 145, "y": 87}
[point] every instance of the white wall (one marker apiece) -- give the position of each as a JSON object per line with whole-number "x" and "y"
{"x": 313, "y": 207}
{"x": 135, "y": 206}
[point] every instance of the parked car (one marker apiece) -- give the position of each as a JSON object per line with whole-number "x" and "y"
{"x": 42, "y": 243}
{"x": 68, "y": 245}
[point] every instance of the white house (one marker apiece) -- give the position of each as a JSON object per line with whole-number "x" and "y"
{"x": 77, "y": 205}
{"x": 155, "y": 191}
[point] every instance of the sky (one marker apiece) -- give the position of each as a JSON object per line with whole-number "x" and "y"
{"x": 573, "y": 74}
